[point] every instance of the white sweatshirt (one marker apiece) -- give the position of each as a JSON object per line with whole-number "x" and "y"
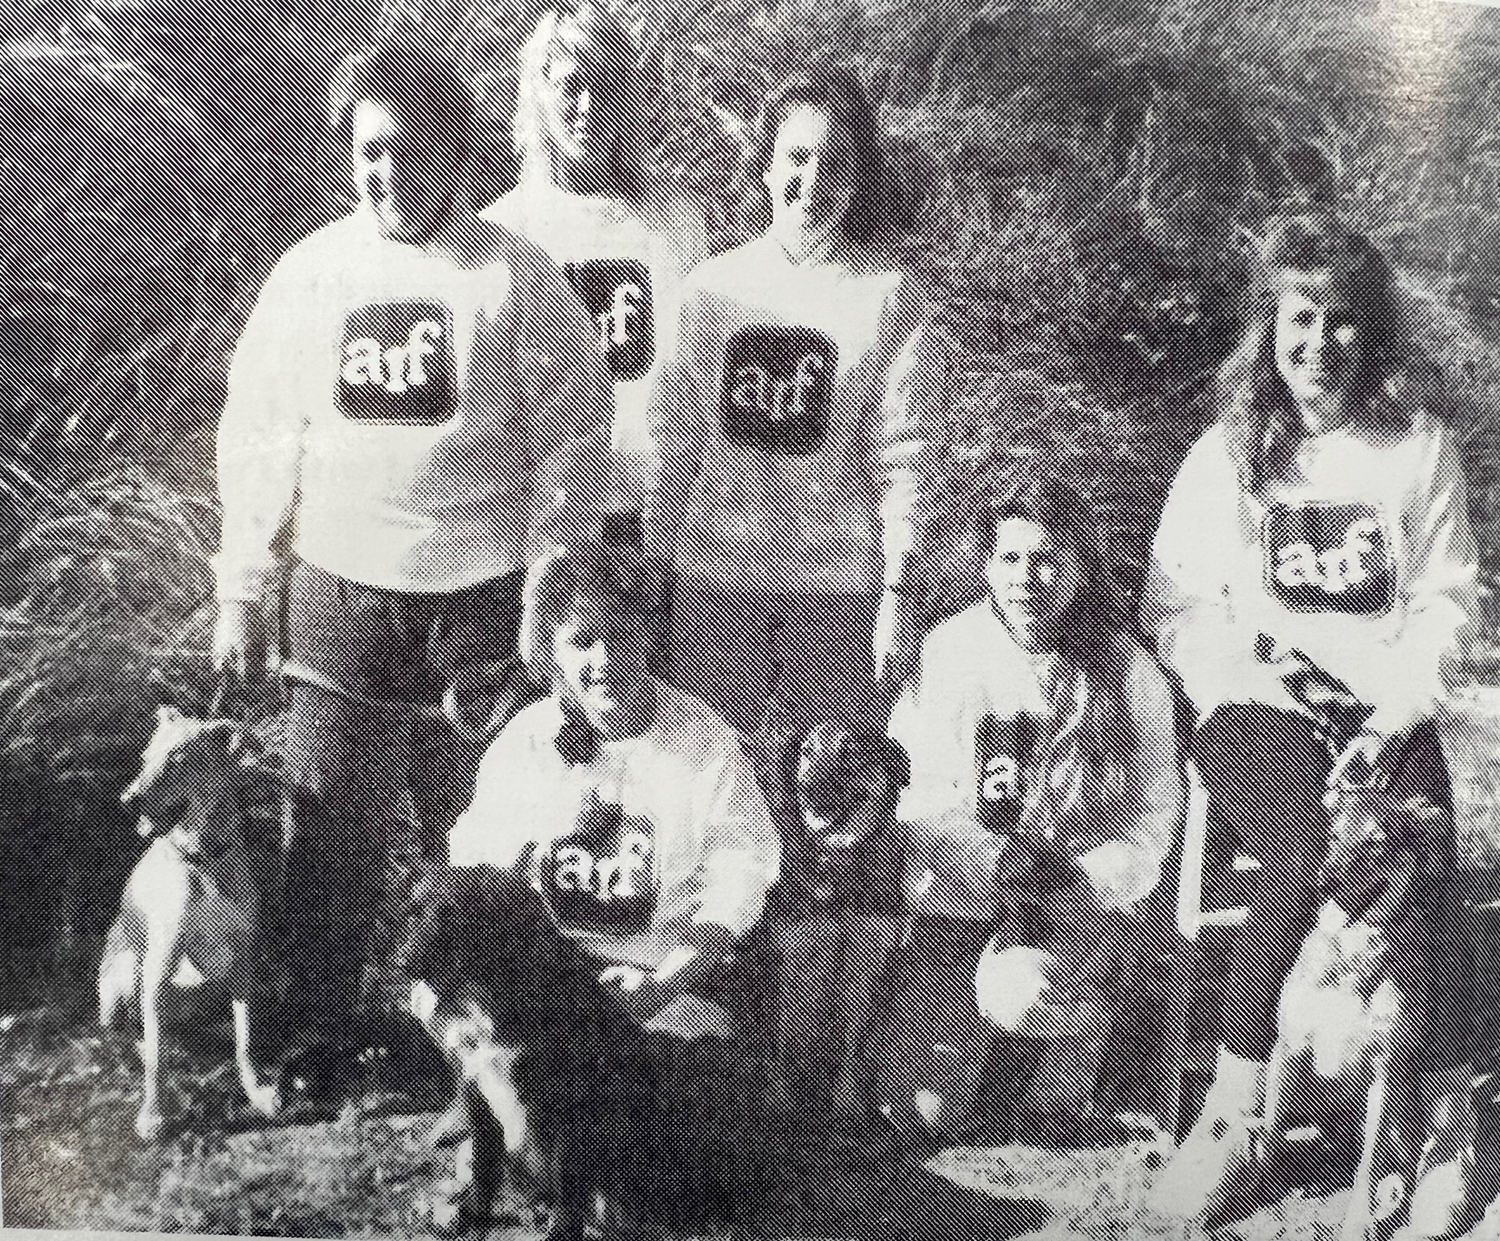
{"x": 627, "y": 264}
{"x": 796, "y": 431}
{"x": 658, "y": 833}
{"x": 426, "y": 414}
{"x": 963, "y": 720}
{"x": 1363, "y": 559}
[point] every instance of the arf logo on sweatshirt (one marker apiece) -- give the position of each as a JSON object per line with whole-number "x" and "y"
{"x": 1001, "y": 748}
{"x": 778, "y": 389}
{"x": 396, "y": 364}
{"x": 601, "y": 879}
{"x": 617, "y": 295}
{"x": 1329, "y": 558}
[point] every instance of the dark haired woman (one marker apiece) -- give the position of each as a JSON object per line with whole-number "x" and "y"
{"x": 1316, "y": 534}
{"x": 624, "y": 237}
{"x": 795, "y": 430}
{"x": 1046, "y": 788}
{"x": 413, "y": 392}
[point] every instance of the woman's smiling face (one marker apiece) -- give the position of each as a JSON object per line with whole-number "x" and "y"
{"x": 1033, "y": 580}
{"x": 1319, "y": 344}
{"x": 810, "y": 179}
{"x": 602, "y": 665}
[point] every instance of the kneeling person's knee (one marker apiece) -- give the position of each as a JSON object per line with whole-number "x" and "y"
{"x": 1017, "y": 989}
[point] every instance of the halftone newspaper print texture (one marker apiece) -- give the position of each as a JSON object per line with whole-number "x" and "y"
{"x": 769, "y": 618}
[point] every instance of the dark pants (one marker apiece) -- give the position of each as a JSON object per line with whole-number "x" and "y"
{"x": 1266, "y": 772}
{"x": 372, "y": 790}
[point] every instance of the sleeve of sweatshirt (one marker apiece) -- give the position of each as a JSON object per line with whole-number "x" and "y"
{"x": 1186, "y": 604}
{"x": 741, "y": 849}
{"x": 913, "y": 431}
{"x": 1441, "y": 594}
{"x": 1127, "y": 868}
{"x": 567, "y": 399}
{"x": 501, "y": 819}
{"x": 678, "y": 416}
{"x": 260, "y": 434}
{"x": 929, "y": 721}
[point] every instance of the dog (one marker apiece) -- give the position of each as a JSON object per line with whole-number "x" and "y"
{"x": 1352, "y": 1015}
{"x": 191, "y": 912}
{"x": 837, "y": 913}
{"x": 564, "y": 1094}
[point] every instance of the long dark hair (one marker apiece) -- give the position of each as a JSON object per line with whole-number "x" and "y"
{"x": 876, "y": 208}
{"x": 1093, "y": 742}
{"x": 1260, "y": 422}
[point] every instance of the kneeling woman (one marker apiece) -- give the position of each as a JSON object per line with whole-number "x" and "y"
{"x": 1317, "y": 532}
{"x": 1045, "y": 782}
{"x": 637, "y": 824}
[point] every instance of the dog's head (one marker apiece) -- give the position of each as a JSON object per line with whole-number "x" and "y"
{"x": 479, "y": 929}
{"x": 844, "y": 787}
{"x": 846, "y": 782}
{"x": 1379, "y": 843}
{"x": 186, "y": 761}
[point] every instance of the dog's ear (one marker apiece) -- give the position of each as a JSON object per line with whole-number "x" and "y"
{"x": 896, "y": 761}
{"x": 246, "y": 748}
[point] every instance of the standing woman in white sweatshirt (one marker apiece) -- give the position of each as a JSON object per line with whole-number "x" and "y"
{"x": 796, "y": 429}
{"x": 415, "y": 395}
{"x": 1319, "y": 524}
{"x": 624, "y": 236}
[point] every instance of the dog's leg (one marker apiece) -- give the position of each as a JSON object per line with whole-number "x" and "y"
{"x": 119, "y": 978}
{"x": 868, "y": 945}
{"x": 156, "y": 965}
{"x": 1394, "y": 1132}
{"x": 264, "y": 1097}
{"x": 808, "y": 952}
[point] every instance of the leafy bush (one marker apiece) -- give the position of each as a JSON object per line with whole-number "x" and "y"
{"x": 1083, "y": 178}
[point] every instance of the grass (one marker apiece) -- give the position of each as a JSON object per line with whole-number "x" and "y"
{"x": 71, "y": 1161}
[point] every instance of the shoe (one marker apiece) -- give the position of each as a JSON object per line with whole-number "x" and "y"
{"x": 1220, "y": 1174}
{"x": 1252, "y": 1179}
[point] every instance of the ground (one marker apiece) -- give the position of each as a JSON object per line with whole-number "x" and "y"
{"x": 69, "y": 1158}
{"x": 72, "y": 1161}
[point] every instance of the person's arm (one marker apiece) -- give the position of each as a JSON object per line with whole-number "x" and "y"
{"x": 914, "y": 429}
{"x": 1123, "y": 870}
{"x": 934, "y": 720}
{"x": 741, "y": 859}
{"x": 1441, "y": 603}
{"x": 260, "y": 438}
{"x": 677, "y": 415}
{"x": 510, "y": 796}
{"x": 1186, "y": 604}
{"x": 567, "y": 398}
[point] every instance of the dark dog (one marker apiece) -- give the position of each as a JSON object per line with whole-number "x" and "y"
{"x": 837, "y": 911}
{"x": 191, "y": 913}
{"x": 585, "y": 1102}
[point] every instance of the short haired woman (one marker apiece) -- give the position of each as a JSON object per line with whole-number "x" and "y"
{"x": 626, "y": 804}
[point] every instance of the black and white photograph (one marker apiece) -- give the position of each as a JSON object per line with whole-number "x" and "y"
{"x": 807, "y": 620}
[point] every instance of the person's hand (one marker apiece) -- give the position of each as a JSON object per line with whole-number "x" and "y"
{"x": 239, "y": 644}
{"x": 638, "y": 991}
{"x": 897, "y": 637}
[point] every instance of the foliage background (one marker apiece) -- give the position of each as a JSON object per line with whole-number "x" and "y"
{"x": 1083, "y": 178}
